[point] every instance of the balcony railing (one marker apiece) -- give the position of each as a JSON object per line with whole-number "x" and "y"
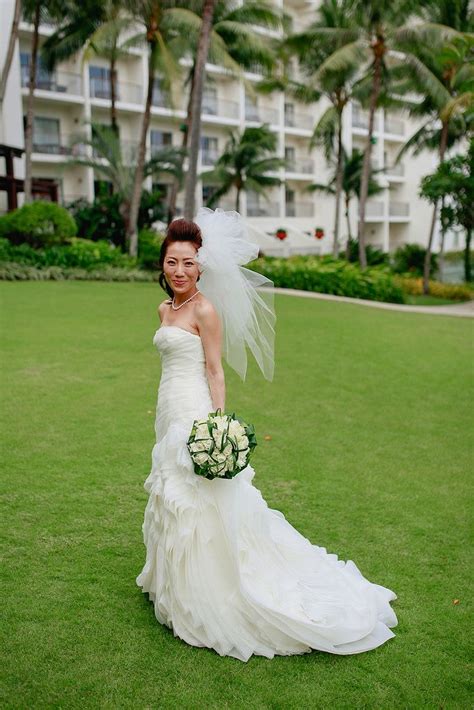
{"x": 397, "y": 170}
{"x": 374, "y": 209}
{"x": 300, "y": 165}
{"x": 299, "y": 120}
{"x": 263, "y": 209}
{"x": 261, "y": 114}
{"x": 58, "y": 82}
{"x": 299, "y": 209}
{"x": 124, "y": 91}
{"x": 399, "y": 209}
{"x": 220, "y": 107}
{"x": 360, "y": 119}
{"x": 209, "y": 157}
{"x": 395, "y": 126}
{"x": 65, "y": 145}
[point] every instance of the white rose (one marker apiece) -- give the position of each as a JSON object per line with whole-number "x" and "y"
{"x": 242, "y": 459}
{"x": 202, "y": 432}
{"x": 219, "y": 457}
{"x": 242, "y": 442}
{"x": 201, "y": 459}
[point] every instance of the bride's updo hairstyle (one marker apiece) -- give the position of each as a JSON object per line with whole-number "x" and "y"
{"x": 179, "y": 230}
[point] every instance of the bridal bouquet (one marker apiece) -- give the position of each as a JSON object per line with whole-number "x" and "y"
{"x": 220, "y": 446}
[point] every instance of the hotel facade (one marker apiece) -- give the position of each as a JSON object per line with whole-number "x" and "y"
{"x": 77, "y": 93}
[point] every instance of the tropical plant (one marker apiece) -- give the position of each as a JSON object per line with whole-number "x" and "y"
{"x": 374, "y": 33}
{"x": 453, "y": 182}
{"x": 447, "y": 111}
{"x": 110, "y": 160}
{"x": 352, "y": 167}
{"x": 244, "y": 165}
{"x": 235, "y": 45}
{"x": 38, "y": 224}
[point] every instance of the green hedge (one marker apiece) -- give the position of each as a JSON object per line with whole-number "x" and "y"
{"x": 327, "y": 275}
{"x": 10, "y": 271}
{"x": 79, "y": 253}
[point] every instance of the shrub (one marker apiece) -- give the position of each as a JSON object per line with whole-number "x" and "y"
{"x": 374, "y": 256}
{"x": 149, "y": 246}
{"x": 23, "y": 272}
{"x": 409, "y": 259}
{"x": 328, "y": 275}
{"x": 456, "y": 292}
{"x": 38, "y": 224}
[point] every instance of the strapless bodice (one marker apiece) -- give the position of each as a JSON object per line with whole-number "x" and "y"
{"x": 183, "y": 394}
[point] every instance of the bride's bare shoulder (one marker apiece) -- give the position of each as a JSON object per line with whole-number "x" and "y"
{"x": 206, "y": 313}
{"x": 163, "y": 306}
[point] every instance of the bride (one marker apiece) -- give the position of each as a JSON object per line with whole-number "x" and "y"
{"x": 223, "y": 570}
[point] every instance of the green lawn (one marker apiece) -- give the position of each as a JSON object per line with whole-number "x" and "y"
{"x": 370, "y": 418}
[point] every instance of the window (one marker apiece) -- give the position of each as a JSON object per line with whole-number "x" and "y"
{"x": 160, "y": 139}
{"x": 290, "y": 158}
{"x": 159, "y": 97}
{"x": 209, "y": 100}
{"x": 46, "y": 135}
{"x": 251, "y": 109}
{"x": 44, "y": 79}
{"x": 99, "y": 81}
{"x": 209, "y": 150}
{"x": 289, "y": 114}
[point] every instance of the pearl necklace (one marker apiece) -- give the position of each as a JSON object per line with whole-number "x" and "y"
{"x": 176, "y": 308}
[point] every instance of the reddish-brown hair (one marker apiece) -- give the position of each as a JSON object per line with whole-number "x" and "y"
{"x": 179, "y": 230}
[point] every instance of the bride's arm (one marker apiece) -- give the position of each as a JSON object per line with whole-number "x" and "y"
{"x": 210, "y": 330}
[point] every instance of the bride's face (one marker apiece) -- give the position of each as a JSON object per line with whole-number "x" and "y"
{"x": 180, "y": 267}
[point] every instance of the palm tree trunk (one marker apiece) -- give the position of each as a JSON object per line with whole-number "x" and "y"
{"x": 441, "y": 249}
{"x": 364, "y": 186}
{"x": 195, "y": 128}
{"x": 339, "y": 176}
{"x": 427, "y": 262}
{"x": 30, "y": 108}
{"x": 113, "y": 95}
{"x": 184, "y": 144}
{"x": 467, "y": 257}
{"x": 237, "y": 201}
{"x": 11, "y": 49}
{"x": 132, "y": 234}
{"x": 349, "y": 233}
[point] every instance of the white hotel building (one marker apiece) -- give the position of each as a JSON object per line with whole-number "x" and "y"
{"x": 77, "y": 93}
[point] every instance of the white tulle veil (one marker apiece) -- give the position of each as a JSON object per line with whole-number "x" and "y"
{"x": 247, "y": 315}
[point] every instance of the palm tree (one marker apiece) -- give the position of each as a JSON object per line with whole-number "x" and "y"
{"x": 162, "y": 26}
{"x": 110, "y": 160}
{"x": 11, "y": 49}
{"x": 235, "y": 45}
{"x": 244, "y": 165}
{"x": 350, "y": 185}
{"x": 195, "y": 105}
{"x": 374, "y": 35}
{"x": 448, "y": 110}
{"x": 95, "y": 27}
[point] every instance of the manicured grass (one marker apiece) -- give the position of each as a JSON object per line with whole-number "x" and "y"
{"x": 429, "y": 300}
{"x": 370, "y": 419}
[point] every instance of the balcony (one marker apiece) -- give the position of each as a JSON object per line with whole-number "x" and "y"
{"x": 299, "y": 120}
{"x": 261, "y": 114}
{"x": 399, "y": 210}
{"x": 300, "y": 165}
{"x": 65, "y": 145}
{"x": 360, "y": 119}
{"x": 374, "y": 209}
{"x": 299, "y": 209}
{"x": 394, "y": 126}
{"x": 397, "y": 170}
{"x": 263, "y": 209}
{"x": 125, "y": 91}
{"x": 58, "y": 82}
{"x": 215, "y": 106}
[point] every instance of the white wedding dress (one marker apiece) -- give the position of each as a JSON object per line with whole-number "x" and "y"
{"x": 224, "y": 570}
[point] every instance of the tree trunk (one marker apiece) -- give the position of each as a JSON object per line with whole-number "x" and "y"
{"x": 113, "y": 95}
{"x": 30, "y": 107}
{"x": 184, "y": 144}
{"x": 364, "y": 186}
{"x": 427, "y": 262}
{"x": 349, "y": 233}
{"x": 195, "y": 128}
{"x": 339, "y": 177}
{"x": 441, "y": 250}
{"x": 11, "y": 49}
{"x": 467, "y": 257}
{"x": 132, "y": 234}
{"x": 237, "y": 201}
